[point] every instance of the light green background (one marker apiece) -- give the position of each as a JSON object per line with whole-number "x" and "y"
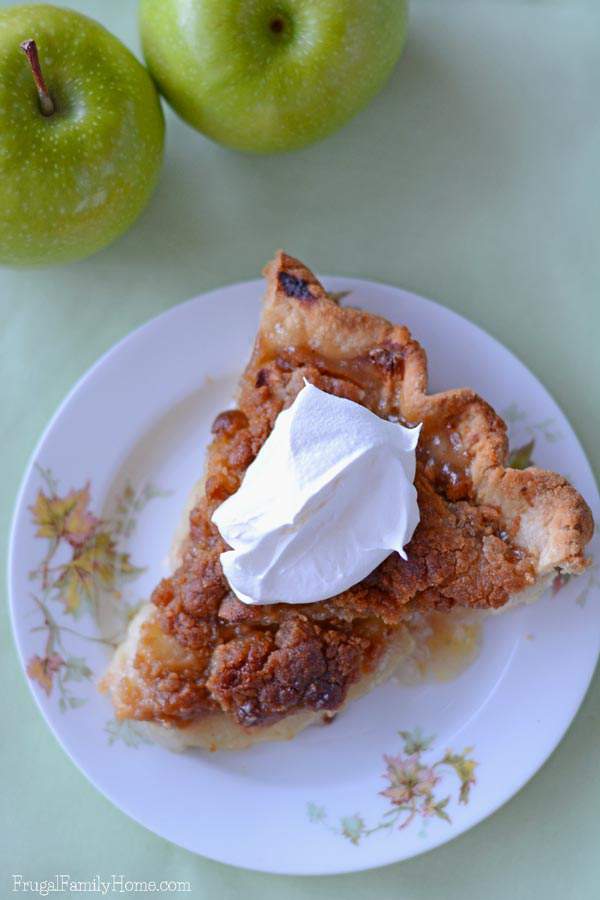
{"x": 473, "y": 179}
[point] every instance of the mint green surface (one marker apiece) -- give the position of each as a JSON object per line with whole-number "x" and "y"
{"x": 474, "y": 179}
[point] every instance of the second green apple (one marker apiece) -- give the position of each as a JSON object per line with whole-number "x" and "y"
{"x": 267, "y": 76}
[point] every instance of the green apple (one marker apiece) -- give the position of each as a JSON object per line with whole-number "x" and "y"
{"x": 81, "y": 136}
{"x": 270, "y": 75}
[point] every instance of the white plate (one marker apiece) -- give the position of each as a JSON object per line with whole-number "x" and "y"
{"x": 137, "y": 424}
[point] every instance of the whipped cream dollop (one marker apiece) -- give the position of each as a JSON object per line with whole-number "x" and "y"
{"x": 329, "y": 496}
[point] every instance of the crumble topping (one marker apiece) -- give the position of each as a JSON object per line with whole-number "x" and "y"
{"x": 259, "y": 663}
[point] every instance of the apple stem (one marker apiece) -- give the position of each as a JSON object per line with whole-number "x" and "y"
{"x": 30, "y": 50}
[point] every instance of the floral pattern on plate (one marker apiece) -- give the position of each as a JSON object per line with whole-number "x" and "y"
{"x": 84, "y": 566}
{"x": 415, "y": 789}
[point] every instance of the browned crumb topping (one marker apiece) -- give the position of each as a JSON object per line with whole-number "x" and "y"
{"x": 260, "y": 663}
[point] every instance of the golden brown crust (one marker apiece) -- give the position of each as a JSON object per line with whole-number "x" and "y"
{"x": 555, "y": 521}
{"x": 486, "y": 532}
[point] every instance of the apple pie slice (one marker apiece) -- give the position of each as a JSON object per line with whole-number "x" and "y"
{"x": 214, "y": 672}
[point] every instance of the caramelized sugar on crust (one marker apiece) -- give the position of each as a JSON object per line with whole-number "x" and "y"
{"x": 485, "y": 533}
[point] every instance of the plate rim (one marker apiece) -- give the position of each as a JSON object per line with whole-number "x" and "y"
{"x": 391, "y": 857}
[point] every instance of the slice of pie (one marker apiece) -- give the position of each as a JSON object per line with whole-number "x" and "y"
{"x": 222, "y": 674}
